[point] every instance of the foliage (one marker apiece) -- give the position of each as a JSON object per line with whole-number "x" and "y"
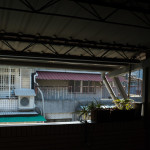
{"x": 124, "y": 104}
{"x": 85, "y": 110}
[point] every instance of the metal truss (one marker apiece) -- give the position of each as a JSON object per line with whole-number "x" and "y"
{"x": 134, "y": 7}
{"x": 85, "y": 45}
{"x": 33, "y": 56}
{"x": 99, "y": 45}
{"x": 131, "y": 5}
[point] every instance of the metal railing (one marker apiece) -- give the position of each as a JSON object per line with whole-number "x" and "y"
{"x": 68, "y": 93}
{"x": 8, "y": 104}
{"x": 65, "y": 92}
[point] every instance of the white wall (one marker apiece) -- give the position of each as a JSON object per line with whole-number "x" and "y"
{"x": 25, "y": 78}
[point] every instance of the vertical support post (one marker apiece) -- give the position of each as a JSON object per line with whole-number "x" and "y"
{"x": 81, "y": 86}
{"x": 146, "y": 92}
{"x": 30, "y": 78}
{"x": 101, "y": 92}
{"x": 20, "y": 78}
{"x": 129, "y": 81}
{"x": 9, "y": 79}
{"x": 146, "y": 101}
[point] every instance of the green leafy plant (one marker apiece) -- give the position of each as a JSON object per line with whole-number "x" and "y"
{"x": 84, "y": 112}
{"x": 93, "y": 105}
{"x": 123, "y": 104}
{"x": 98, "y": 104}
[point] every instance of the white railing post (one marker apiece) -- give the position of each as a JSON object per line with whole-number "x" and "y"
{"x": 9, "y": 80}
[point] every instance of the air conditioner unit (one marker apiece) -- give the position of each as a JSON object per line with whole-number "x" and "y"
{"x": 25, "y": 99}
{"x": 26, "y": 103}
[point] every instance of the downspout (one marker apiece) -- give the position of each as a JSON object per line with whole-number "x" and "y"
{"x": 43, "y": 112}
{"x": 108, "y": 86}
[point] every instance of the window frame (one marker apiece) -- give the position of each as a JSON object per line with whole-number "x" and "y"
{"x": 71, "y": 88}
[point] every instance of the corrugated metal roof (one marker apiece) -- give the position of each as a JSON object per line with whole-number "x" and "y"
{"x": 25, "y": 92}
{"x": 68, "y": 76}
{"x": 45, "y": 75}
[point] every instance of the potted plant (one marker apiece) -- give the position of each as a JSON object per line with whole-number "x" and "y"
{"x": 83, "y": 114}
{"x": 98, "y": 112}
{"x": 123, "y": 110}
{"x": 138, "y": 108}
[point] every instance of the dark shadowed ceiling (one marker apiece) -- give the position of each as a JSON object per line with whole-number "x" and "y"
{"x": 76, "y": 34}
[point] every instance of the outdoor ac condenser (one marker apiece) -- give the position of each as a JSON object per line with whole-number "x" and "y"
{"x": 25, "y": 99}
{"x": 26, "y": 103}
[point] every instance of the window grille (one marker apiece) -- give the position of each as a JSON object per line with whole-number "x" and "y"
{"x": 7, "y": 82}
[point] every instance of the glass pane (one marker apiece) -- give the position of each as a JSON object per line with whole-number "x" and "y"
{"x": 77, "y": 86}
{"x": 71, "y": 86}
{"x": 91, "y": 86}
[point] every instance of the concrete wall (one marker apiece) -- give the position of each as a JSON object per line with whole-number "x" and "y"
{"x": 131, "y": 135}
{"x": 67, "y": 106}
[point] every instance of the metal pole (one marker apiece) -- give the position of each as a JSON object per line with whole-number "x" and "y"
{"x": 9, "y": 80}
{"x": 20, "y": 78}
{"x": 129, "y": 81}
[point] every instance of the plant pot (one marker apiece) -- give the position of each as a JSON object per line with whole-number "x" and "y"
{"x": 122, "y": 115}
{"x": 100, "y": 115}
{"x": 138, "y": 107}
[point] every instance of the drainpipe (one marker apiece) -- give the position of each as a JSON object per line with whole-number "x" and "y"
{"x": 108, "y": 86}
{"x": 43, "y": 112}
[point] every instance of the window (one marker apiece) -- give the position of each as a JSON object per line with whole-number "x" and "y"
{"x": 89, "y": 87}
{"x": 7, "y": 81}
{"x": 82, "y": 87}
{"x": 74, "y": 86}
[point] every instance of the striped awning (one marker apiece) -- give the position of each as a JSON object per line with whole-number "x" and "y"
{"x": 68, "y": 76}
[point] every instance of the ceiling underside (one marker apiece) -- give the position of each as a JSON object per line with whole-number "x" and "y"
{"x": 82, "y": 34}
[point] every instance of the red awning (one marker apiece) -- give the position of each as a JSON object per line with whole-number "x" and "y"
{"x": 44, "y": 75}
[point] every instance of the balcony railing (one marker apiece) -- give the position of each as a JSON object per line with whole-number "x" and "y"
{"x": 68, "y": 93}
{"x": 8, "y": 104}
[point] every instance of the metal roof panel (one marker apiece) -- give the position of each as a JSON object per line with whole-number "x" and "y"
{"x": 24, "y": 92}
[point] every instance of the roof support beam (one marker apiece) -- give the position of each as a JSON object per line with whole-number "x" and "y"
{"x": 65, "y": 58}
{"x": 71, "y": 42}
{"x": 48, "y": 65}
{"x": 120, "y": 87}
{"x": 125, "y": 70}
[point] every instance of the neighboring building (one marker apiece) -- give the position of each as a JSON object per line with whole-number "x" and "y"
{"x": 65, "y": 92}
{"x": 16, "y": 96}
{"x": 57, "y": 95}
{"x": 136, "y": 83}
